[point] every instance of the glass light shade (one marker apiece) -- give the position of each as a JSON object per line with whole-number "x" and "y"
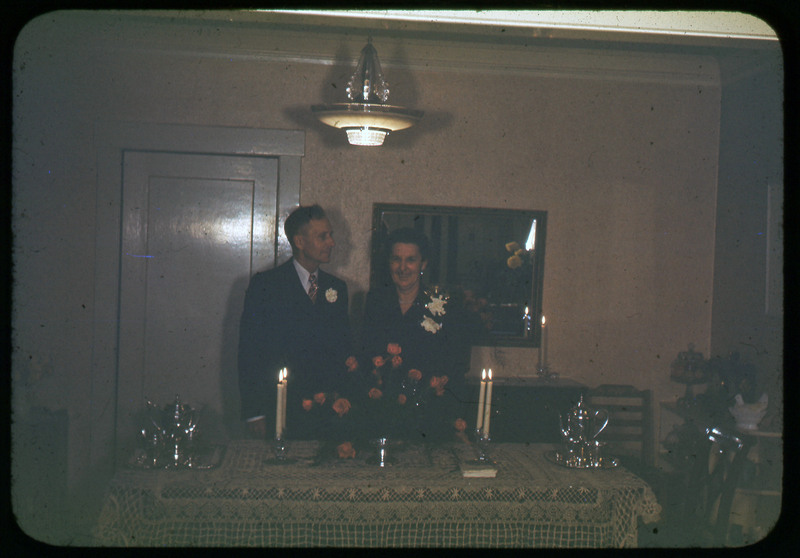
{"x": 365, "y": 136}
{"x": 365, "y": 115}
{"x": 367, "y": 120}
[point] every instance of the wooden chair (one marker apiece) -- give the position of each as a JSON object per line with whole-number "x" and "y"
{"x": 629, "y": 433}
{"x": 712, "y": 483}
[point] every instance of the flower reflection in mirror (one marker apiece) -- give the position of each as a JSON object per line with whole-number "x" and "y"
{"x": 367, "y": 119}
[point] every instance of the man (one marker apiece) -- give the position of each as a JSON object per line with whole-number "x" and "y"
{"x": 285, "y": 325}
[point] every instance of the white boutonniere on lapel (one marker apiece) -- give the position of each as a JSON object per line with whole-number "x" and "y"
{"x": 331, "y": 295}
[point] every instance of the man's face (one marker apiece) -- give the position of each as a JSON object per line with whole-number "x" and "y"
{"x": 314, "y": 243}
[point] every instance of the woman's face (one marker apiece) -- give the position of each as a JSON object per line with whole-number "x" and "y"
{"x": 406, "y": 265}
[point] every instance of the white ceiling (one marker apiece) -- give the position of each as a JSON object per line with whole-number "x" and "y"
{"x": 732, "y": 25}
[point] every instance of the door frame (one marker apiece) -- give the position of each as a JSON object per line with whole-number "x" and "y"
{"x": 111, "y": 140}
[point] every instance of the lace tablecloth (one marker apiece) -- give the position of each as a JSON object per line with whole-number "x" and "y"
{"x": 419, "y": 499}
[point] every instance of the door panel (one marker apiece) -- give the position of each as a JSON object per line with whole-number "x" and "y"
{"x": 194, "y": 228}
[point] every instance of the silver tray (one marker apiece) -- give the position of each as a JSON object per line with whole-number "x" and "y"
{"x": 558, "y": 458}
{"x": 210, "y": 458}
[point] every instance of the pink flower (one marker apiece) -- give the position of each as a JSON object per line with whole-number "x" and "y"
{"x": 401, "y": 399}
{"x": 393, "y": 349}
{"x": 415, "y": 374}
{"x": 397, "y": 360}
{"x": 378, "y": 361}
{"x": 375, "y": 393}
{"x": 351, "y": 363}
{"x": 341, "y": 406}
{"x": 438, "y": 382}
{"x": 346, "y": 450}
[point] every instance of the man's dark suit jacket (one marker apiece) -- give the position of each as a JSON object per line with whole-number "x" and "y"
{"x": 281, "y": 327}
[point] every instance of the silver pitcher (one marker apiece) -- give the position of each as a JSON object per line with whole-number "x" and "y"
{"x": 579, "y": 429}
{"x": 170, "y": 441}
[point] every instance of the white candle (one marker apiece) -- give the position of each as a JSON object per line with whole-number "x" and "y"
{"x": 544, "y": 341}
{"x": 488, "y": 411}
{"x": 541, "y": 347}
{"x": 278, "y": 406}
{"x": 283, "y": 405}
{"x": 481, "y": 399}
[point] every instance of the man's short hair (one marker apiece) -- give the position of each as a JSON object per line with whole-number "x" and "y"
{"x": 299, "y": 218}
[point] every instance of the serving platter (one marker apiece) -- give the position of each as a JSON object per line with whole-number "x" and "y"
{"x": 558, "y": 458}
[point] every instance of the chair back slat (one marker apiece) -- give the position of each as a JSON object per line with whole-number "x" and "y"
{"x": 630, "y": 426}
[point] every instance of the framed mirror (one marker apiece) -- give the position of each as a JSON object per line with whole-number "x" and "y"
{"x": 489, "y": 260}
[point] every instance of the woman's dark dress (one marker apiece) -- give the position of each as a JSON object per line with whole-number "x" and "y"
{"x": 443, "y": 353}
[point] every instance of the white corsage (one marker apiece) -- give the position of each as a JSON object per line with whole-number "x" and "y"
{"x": 436, "y": 305}
{"x": 430, "y": 325}
{"x": 331, "y": 295}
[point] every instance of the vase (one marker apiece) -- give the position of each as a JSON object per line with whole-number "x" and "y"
{"x": 748, "y": 415}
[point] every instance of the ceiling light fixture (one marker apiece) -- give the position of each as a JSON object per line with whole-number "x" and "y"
{"x": 367, "y": 119}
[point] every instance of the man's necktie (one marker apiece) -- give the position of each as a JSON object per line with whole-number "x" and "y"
{"x": 312, "y": 287}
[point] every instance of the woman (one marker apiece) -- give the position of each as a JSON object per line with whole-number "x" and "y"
{"x": 425, "y": 330}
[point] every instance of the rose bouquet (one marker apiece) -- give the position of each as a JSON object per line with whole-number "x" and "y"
{"x": 401, "y": 402}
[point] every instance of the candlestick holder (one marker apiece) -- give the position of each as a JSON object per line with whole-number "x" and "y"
{"x": 280, "y": 447}
{"x": 482, "y": 445}
{"x": 280, "y": 451}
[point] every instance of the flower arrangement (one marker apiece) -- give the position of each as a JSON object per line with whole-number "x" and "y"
{"x": 396, "y": 400}
{"x": 518, "y": 255}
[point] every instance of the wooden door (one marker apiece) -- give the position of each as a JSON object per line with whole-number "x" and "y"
{"x": 194, "y": 228}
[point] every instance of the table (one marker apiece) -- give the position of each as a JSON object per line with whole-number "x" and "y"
{"x": 421, "y": 499}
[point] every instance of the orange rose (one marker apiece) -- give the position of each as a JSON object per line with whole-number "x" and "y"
{"x": 401, "y": 399}
{"x": 393, "y": 349}
{"x": 307, "y": 404}
{"x": 351, "y": 363}
{"x": 378, "y": 361}
{"x": 319, "y": 398}
{"x": 460, "y": 424}
{"x": 346, "y": 450}
{"x": 375, "y": 393}
{"x": 341, "y": 406}
{"x": 438, "y": 382}
{"x": 397, "y": 360}
{"x": 415, "y": 374}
